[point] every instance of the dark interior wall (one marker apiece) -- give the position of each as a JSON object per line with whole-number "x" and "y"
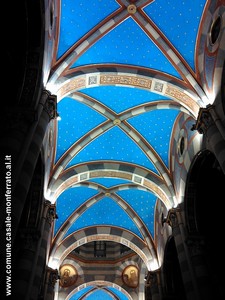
{"x": 22, "y": 59}
{"x": 223, "y": 88}
{"x": 23, "y": 38}
{"x": 204, "y": 207}
{"x": 173, "y": 284}
{"x": 25, "y": 247}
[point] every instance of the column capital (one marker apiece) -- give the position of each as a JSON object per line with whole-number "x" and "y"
{"x": 51, "y": 213}
{"x": 53, "y": 276}
{"x": 50, "y": 106}
{"x": 204, "y": 120}
{"x": 172, "y": 217}
{"x": 152, "y": 278}
{"x": 47, "y": 203}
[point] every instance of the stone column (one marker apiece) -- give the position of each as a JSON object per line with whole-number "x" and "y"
{"x": 42, "y": 251}
{"x": 22, "y": 272}
{"x": 33, "y": 252}
{"x": 196, "y": 249}
{"x": 50, "y": 281}
{"x": 154, "y": 282}
{"x": 153, "y": 285}
{"x": 31, "y": 149}
{"x": 21, "y": 139}
{"x": 174, "y": 219}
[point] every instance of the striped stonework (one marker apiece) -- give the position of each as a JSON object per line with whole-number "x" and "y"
{"x": 22, "y": 138}
{"x": 78, "y": 173}
{"x": 76, "y": 214}
{"x": 185, "y": 145}
{"x": 150, "y": 81}
{"x": 92, "y": 273}
{"x": 210, "y": 56}
{"x": 154, "y": 283}
{"x": 143, "y": 271}
{"x": 162, "y": 232}
{"x": 61, "y": 250}
{"x": 34, "y": 240}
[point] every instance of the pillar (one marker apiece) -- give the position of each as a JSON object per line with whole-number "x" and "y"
{"x": 21, "y": 140}
{"x": 30, "y": 151}
{"x": 24, "y": 130}
{"x": 50, "y": 281}
{"x": 194, "y": 271}
{"x": 174, "y": 219}
{"x": 153, "y": 285}
{"x": 31, "y": 263}
{"x": 42, "y": 251}
{"x": 154, "y": 281}
{"x": 196, "y": 249}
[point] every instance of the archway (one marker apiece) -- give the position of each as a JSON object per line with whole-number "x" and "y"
{"x": 173, "y": 283}
{"x": 204, "y": 214}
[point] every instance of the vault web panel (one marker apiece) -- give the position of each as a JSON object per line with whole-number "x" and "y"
{"x": 77, "y": 119}
{"x": 127, "y": 44}
{"x": 156, "y": 127}
{"x": 120, "y": 99}
{"x": 105, "y": 212}
{"x": 79, "y": 17}
{"x": 70, "y": 200}
{"x": 179, "y": 21}
{"x": 143, "y": 204}
{"x": 113, "y": 145}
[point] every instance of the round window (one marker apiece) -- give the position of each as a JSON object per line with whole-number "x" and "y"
{"x": 215, "y": 30}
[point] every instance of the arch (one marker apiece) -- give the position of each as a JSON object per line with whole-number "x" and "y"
{"x": 173, "y": 283}
{"x": 131, "y": 132}
{"x": 102, "y": 284}
{"x": 155, "y": 34}
{"x": 61, "y": 250}
{"x": 123, "y": 125}
{"x": 205, "y": 180}
{"x": 204, "y": 214}
{"x": 139, "y": 175}
{"x": 97, "y": 288}
{"x": 84, "y": 43}
{"x": 128, "y": 77}
{"x": 118, "y": 200}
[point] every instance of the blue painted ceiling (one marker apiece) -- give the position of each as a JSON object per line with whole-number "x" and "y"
{"x": 127, "y": 44}
{"x": 91, "y": 293}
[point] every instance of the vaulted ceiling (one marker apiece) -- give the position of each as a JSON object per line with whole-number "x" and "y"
{"x": 124, "y": 73}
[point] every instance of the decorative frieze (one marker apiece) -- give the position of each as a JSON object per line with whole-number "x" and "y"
{"x": 181, "y": 97}
{"x": 126, "y": 80}
{"x": 73, "y": 84}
